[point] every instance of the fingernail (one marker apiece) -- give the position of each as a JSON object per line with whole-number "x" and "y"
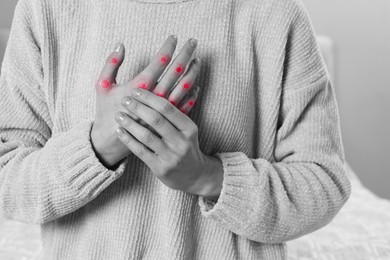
{"x": 117, "y": 47}
{"x": 193, "y": 42}
{"x": 126, "y": 101}
{"x": 136, "y": 92}
{"x": 174, "y": 36}
{"x": 121, "y": 117}
{"x": 197, "y": 61}
{"x": 119, "y": 131}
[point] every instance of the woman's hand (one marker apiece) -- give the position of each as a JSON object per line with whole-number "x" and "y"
{"x": 175, "y": 158}
{"x": 108, "y": 148}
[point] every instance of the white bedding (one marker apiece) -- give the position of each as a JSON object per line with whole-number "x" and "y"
{"x": 360, "y": 231}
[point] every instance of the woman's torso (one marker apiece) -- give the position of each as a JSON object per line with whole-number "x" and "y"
{"x": 237, "y": 110}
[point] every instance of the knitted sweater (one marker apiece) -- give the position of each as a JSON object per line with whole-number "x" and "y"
{"x": 266, "y": 109}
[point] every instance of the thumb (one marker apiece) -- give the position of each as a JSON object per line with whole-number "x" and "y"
{"x": 108, "y": 75}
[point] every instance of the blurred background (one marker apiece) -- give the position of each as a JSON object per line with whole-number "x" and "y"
{"x": 360, "y": 31}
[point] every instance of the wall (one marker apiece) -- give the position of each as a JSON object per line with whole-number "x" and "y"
{"x": 361, "y": 30}
{"x": 7, "y": 8}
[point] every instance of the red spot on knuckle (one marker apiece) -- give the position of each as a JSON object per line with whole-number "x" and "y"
{"x": 186, "y": 85}
{"x": 160, "y": 94}
{"x": 178, "y": 69}
{"x": 165, "y": 58}
{"x": 105, "y": 83}
{"x": 190, "y": 103}
{"x": 172, "y": 102}
{"x": 114, "y": 60}
{"x": 142, "y": 85}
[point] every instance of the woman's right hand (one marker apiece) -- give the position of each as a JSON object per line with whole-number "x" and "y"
{"x": 180, "y": 91}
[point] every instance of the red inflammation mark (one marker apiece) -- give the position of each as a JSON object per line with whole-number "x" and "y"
{"x": 172, "y": 102}
{"x": 186, "y": 85}
{"x": 182, "y": 111}
{"x": 142, "y": 85}
{"x": 160, "y": 94}
{"x": 179, "y": 69}
{"x": 114, "y": 60}
{"x": 190, "y": 103}
{"x": 164, "y": 59}
{"x": 105, "y": 83}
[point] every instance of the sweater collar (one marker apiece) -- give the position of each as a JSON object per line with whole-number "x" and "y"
{"x": 162, "y": 1}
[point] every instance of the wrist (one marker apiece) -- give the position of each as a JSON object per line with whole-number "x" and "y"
{"x": 212, "y": 179}
{"x": 102, "y": 151}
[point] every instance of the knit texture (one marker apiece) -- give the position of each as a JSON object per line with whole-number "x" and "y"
{"x": 266, "y": 109}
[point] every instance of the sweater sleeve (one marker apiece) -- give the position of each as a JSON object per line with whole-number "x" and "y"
{"x": 42, "y": 177}
{"x": 306, "y": 185}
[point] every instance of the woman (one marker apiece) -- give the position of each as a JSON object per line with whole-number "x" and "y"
{"x": 256, "y": 162}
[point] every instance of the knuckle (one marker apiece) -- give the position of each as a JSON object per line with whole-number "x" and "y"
{"x": 129, "y": 143}
{"x": 158, "y": 121}
{"x": 143, "y": 123}
{"x": 111, "y": 60}
{"x": 186, "y": 89}
{"x": 148, "y": 138}
{"x": 139, "y": 150}
{"x": 126, "y": 122}
{"x": 163, "y": 58}
{"x": 144, "y": 78}
{"x": 104, "y": 80}
{"x": 133, "y": 106}
{"x": 159, "y": 91}
{"x": 167, "y": 108}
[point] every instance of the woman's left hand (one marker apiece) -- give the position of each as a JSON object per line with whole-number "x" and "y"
{"x": 174, "y": 156}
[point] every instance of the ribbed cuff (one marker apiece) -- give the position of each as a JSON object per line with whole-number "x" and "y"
{"x": 79, "y": 165}
{"x": 238, "y": 194}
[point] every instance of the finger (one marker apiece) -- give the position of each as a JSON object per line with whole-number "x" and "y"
{"x": 143, "y": 135}
{"x": 175, "y": 70}
{"x": 148, "y": 77}
{"x": 165, "y": 108}
{"x": 110, "y": 70}
{"x": 141, "y": 122}
{"x": 136, "y": 147}
{"x": 186, "y": 82}
{"x": 189, "y": 102}
{"x": 154, "y": 119}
